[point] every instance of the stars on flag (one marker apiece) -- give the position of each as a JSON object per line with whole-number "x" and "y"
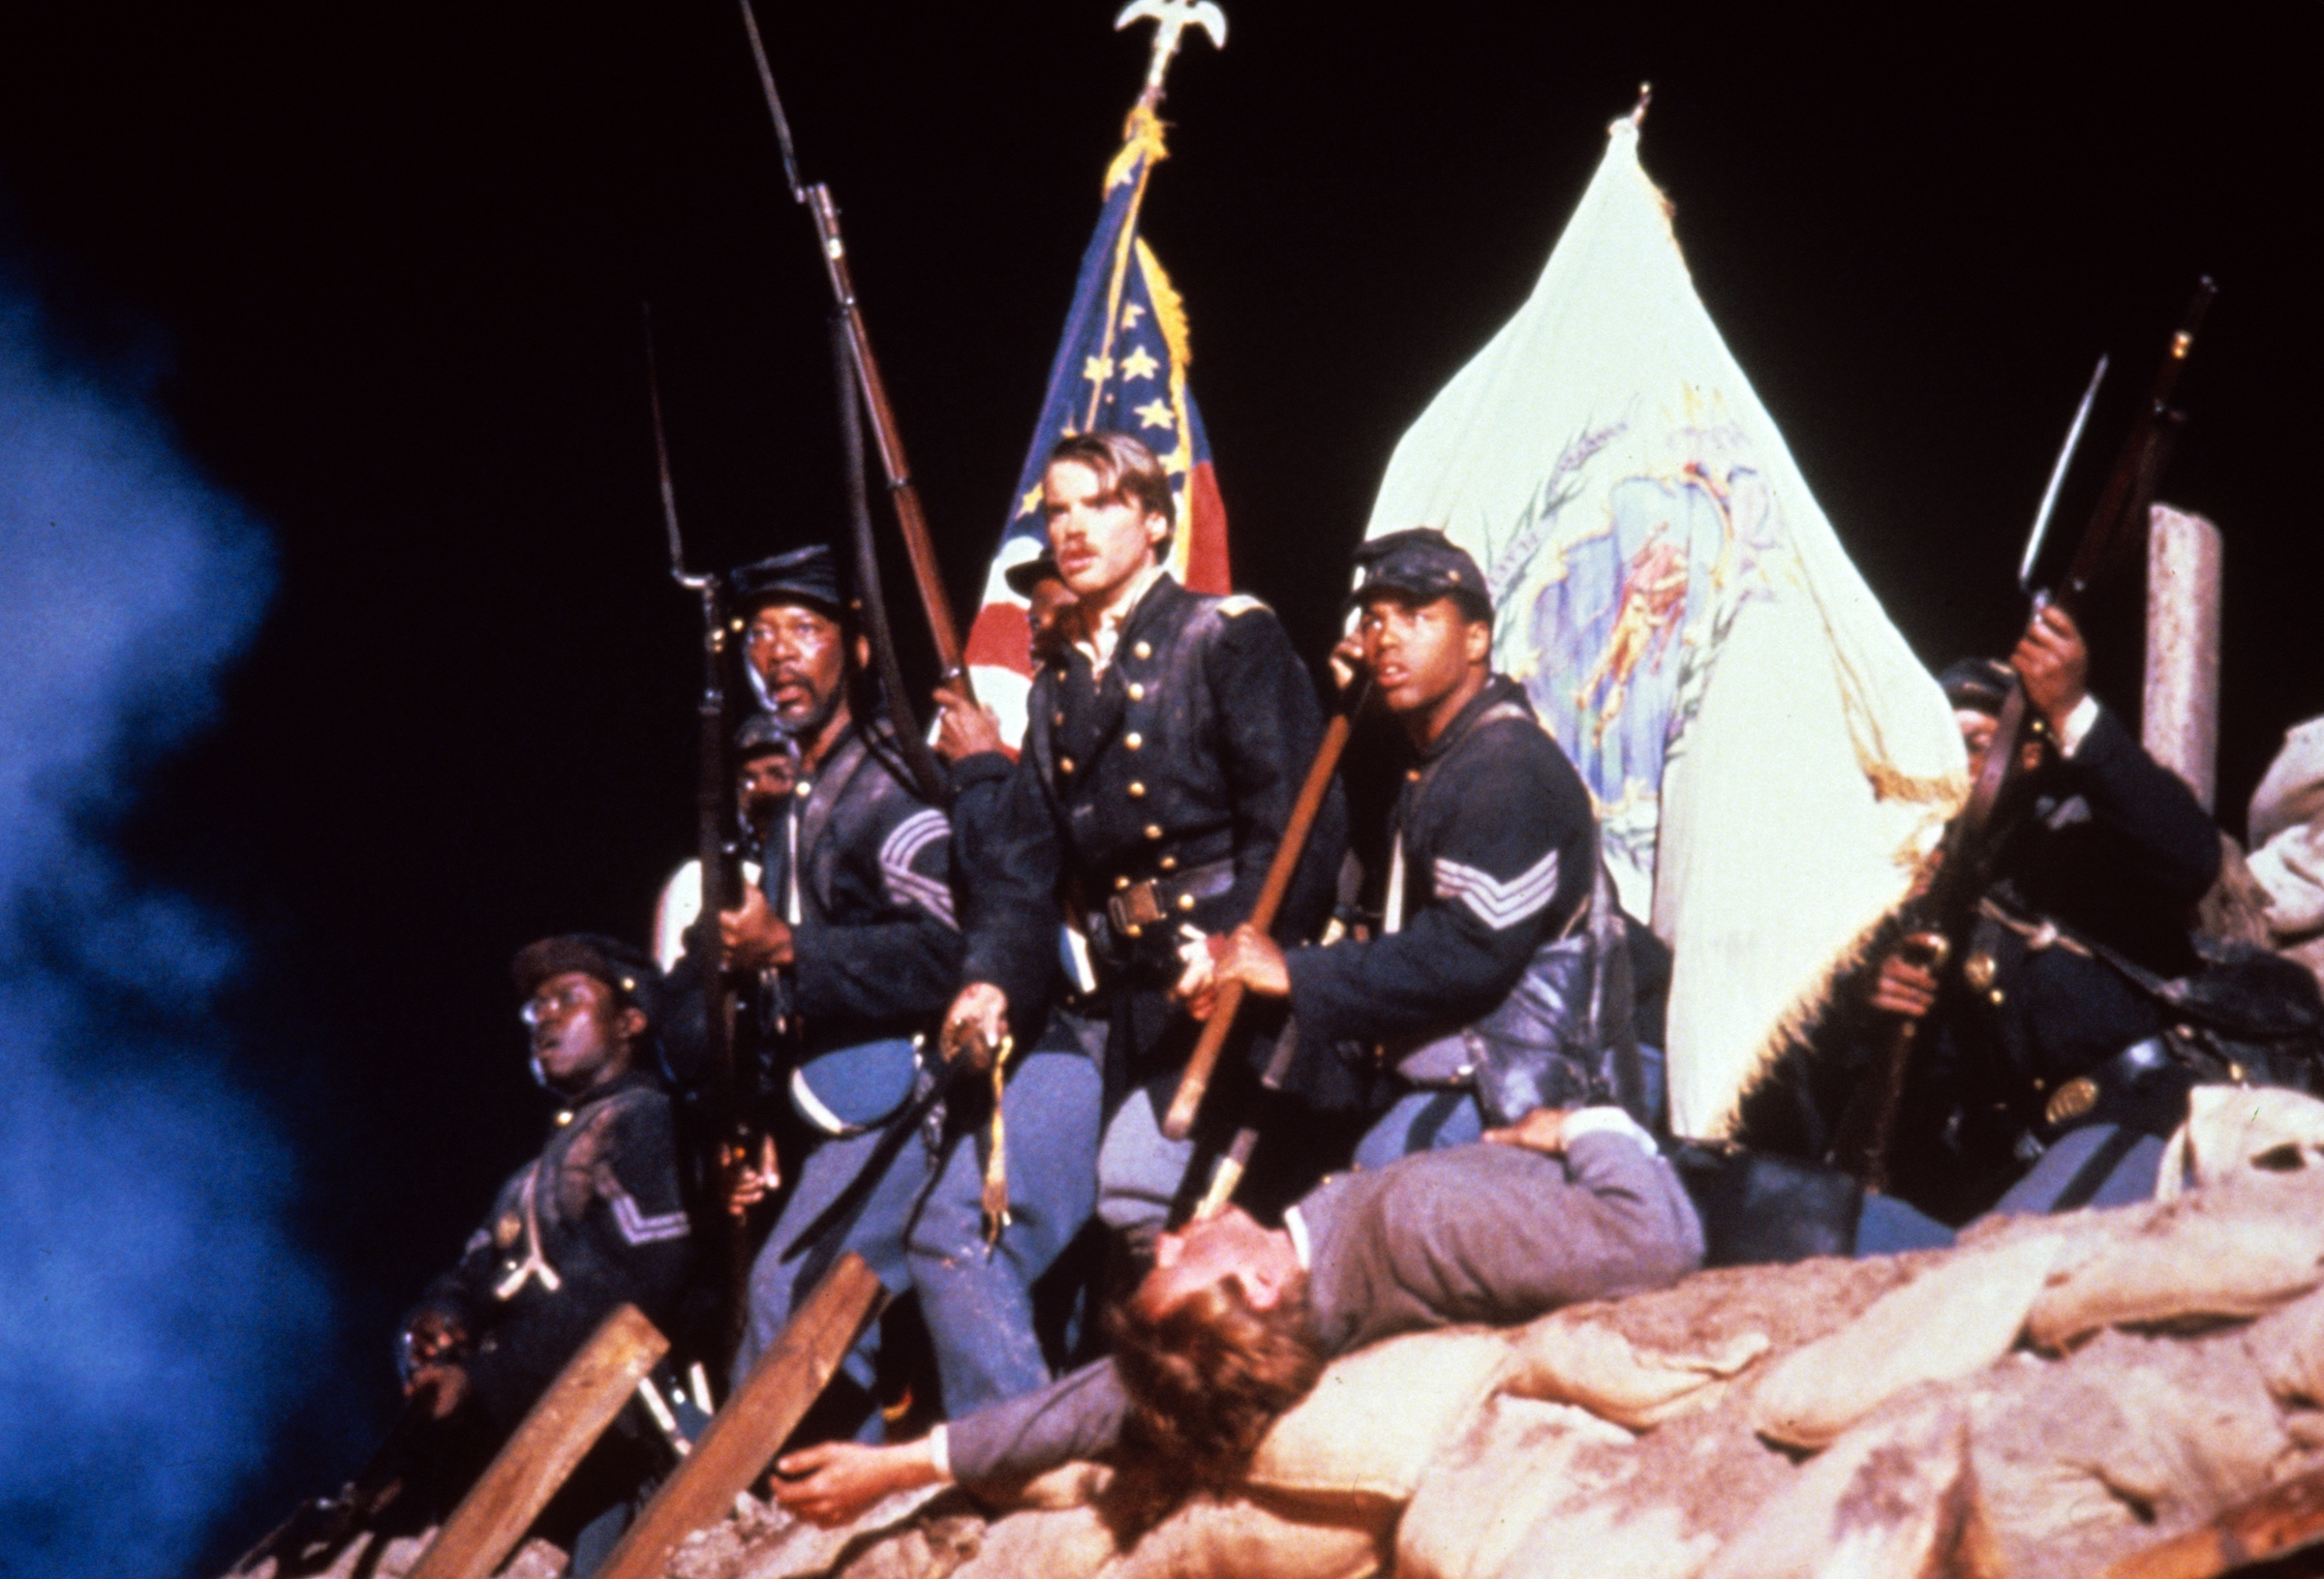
{"x": 1097, "y": 369}
{"x": 1139, "y": 363}
{"x": 1156, "y": 414}
{"x": 1131, "y": 314}
{"x": 1030, "y": 503}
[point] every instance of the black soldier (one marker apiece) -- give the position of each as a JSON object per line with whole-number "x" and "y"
{"x": 766, "y": 768}
{"x": 1501, "y": 982}
{"x": 1166, "y": 744}
{"x": 2041, "y": 1079}
{"x": 853, "y": 935}
{"x": 592, "y": 1223}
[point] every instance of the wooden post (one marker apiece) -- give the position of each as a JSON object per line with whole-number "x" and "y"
{"x": 533, "y": 1462}
{"x": 2180, "y": 721}
{"x": 734, "y": 1450}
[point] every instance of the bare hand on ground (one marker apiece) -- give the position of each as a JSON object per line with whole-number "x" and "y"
{"x": 834, "y": 1482}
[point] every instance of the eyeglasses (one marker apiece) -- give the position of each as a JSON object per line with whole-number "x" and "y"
{"x": 553, "y": 1005}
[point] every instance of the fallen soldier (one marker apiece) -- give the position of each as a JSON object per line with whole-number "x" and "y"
{"x": 1236, "y": 1320}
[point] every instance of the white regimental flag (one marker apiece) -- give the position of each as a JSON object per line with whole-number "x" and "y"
{"x": 1769, "y": 759}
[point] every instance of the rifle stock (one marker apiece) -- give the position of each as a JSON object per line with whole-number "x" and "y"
{"x": 1867, "y": 1130}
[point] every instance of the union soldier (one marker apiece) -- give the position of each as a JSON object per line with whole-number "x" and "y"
{"x": 1502, "y": 980}
{"x": 851, "y": 934}
{"x": 975, "y": 1275}
{"x": 1236, "y": 1320}
{"x": 766, "y": 768}
{"x": 593, "y": 1222}
{"x": 2043, "y": 1079}
{"x": 1166, "y": 744}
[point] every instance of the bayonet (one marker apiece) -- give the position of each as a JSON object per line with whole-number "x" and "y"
{"x": 714, "y": 792}
{"x": 783, "y": 122}
{"x": 918, "y": 546}
{"x": 661, "y": 458}
{"x": 2049, "y": 495}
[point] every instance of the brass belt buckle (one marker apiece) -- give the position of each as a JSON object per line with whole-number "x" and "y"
{"x": 1135, "y": 908}
{"x": 2070, "y": 1100}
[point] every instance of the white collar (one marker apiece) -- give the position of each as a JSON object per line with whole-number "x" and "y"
{"x": 1098, "y": 644}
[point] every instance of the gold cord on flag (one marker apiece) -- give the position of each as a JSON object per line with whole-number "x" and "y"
{"x": 996, "y": 1201}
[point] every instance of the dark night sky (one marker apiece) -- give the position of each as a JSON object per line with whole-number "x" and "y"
{"x": 391, "y": 258}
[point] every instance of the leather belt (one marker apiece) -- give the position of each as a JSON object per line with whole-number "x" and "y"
{"x": 2124, "y": 1073}
{"x": 1141, "y": 905}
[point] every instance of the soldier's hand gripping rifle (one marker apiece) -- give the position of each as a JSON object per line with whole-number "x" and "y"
{"x": 927, "y": 574}
{"x": 1195, "y": 1083}
{"x": 2119, "y": 521}
{"x": 728, "y": 1134}
{"x": 313, "y": 1538}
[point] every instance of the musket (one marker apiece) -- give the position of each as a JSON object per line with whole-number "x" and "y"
{"x": 321, "y": 1529}
{"x": 927, "y": 574}
{"x": 935, "y": 787}
{"x": 1867, "y": 1130}
{"x": 1195, "y": 1083}
{"x": 714, "y": 792}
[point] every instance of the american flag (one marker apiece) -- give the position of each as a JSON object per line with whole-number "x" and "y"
{"x": 1121, "y": 365}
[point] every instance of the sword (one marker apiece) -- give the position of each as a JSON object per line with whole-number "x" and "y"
{"x": 2049, "y": 495}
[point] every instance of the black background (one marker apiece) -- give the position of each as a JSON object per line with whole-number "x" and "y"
{"x": 392, "y": 256}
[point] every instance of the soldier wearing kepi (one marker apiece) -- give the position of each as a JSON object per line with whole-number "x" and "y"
{"x": 2044, "y": 1070}
{"x": 984, "y": 1235}
{"x": 765, "y": 770}
{"x": 850, "y": 933}
{"x": 593, "y": 1222}
{"x": 1165, "y": 747}
{"x": 1501, "y": 982}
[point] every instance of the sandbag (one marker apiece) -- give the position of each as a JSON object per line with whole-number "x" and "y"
{"x": 1517, "y": 1458}
{"x": 1948, "y": 1323}
{"x": 2233, "y": 1130}
{"x": 1898, "y": 1500}
{"x": 1367, "y": 1434}
{"x": 2241, "y": 1249}
{"x": 1579, "y": 1357}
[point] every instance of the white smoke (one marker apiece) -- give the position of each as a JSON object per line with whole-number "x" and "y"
{"x": 154, "y": 1313}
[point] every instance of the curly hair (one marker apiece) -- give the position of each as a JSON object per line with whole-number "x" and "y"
{"x": 1206, "y": 1378}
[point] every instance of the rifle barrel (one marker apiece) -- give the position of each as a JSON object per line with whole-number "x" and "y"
{"x": 928, "y": 574}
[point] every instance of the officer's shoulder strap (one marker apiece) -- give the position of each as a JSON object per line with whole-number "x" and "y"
{"x": 1236, "y": 603}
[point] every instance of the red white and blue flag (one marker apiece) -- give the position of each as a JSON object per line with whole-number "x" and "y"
{"x": 1121, "y": 366}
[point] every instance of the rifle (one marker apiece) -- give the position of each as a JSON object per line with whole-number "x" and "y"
{"x": 321, "y": 1529}
{"x": 714, "y": 792}
{"x": 935, "y": 787}
{"x": 910, "y": 520}
{"x": 1868, "y": 1128}
{"x": 1200, "y": 1066}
